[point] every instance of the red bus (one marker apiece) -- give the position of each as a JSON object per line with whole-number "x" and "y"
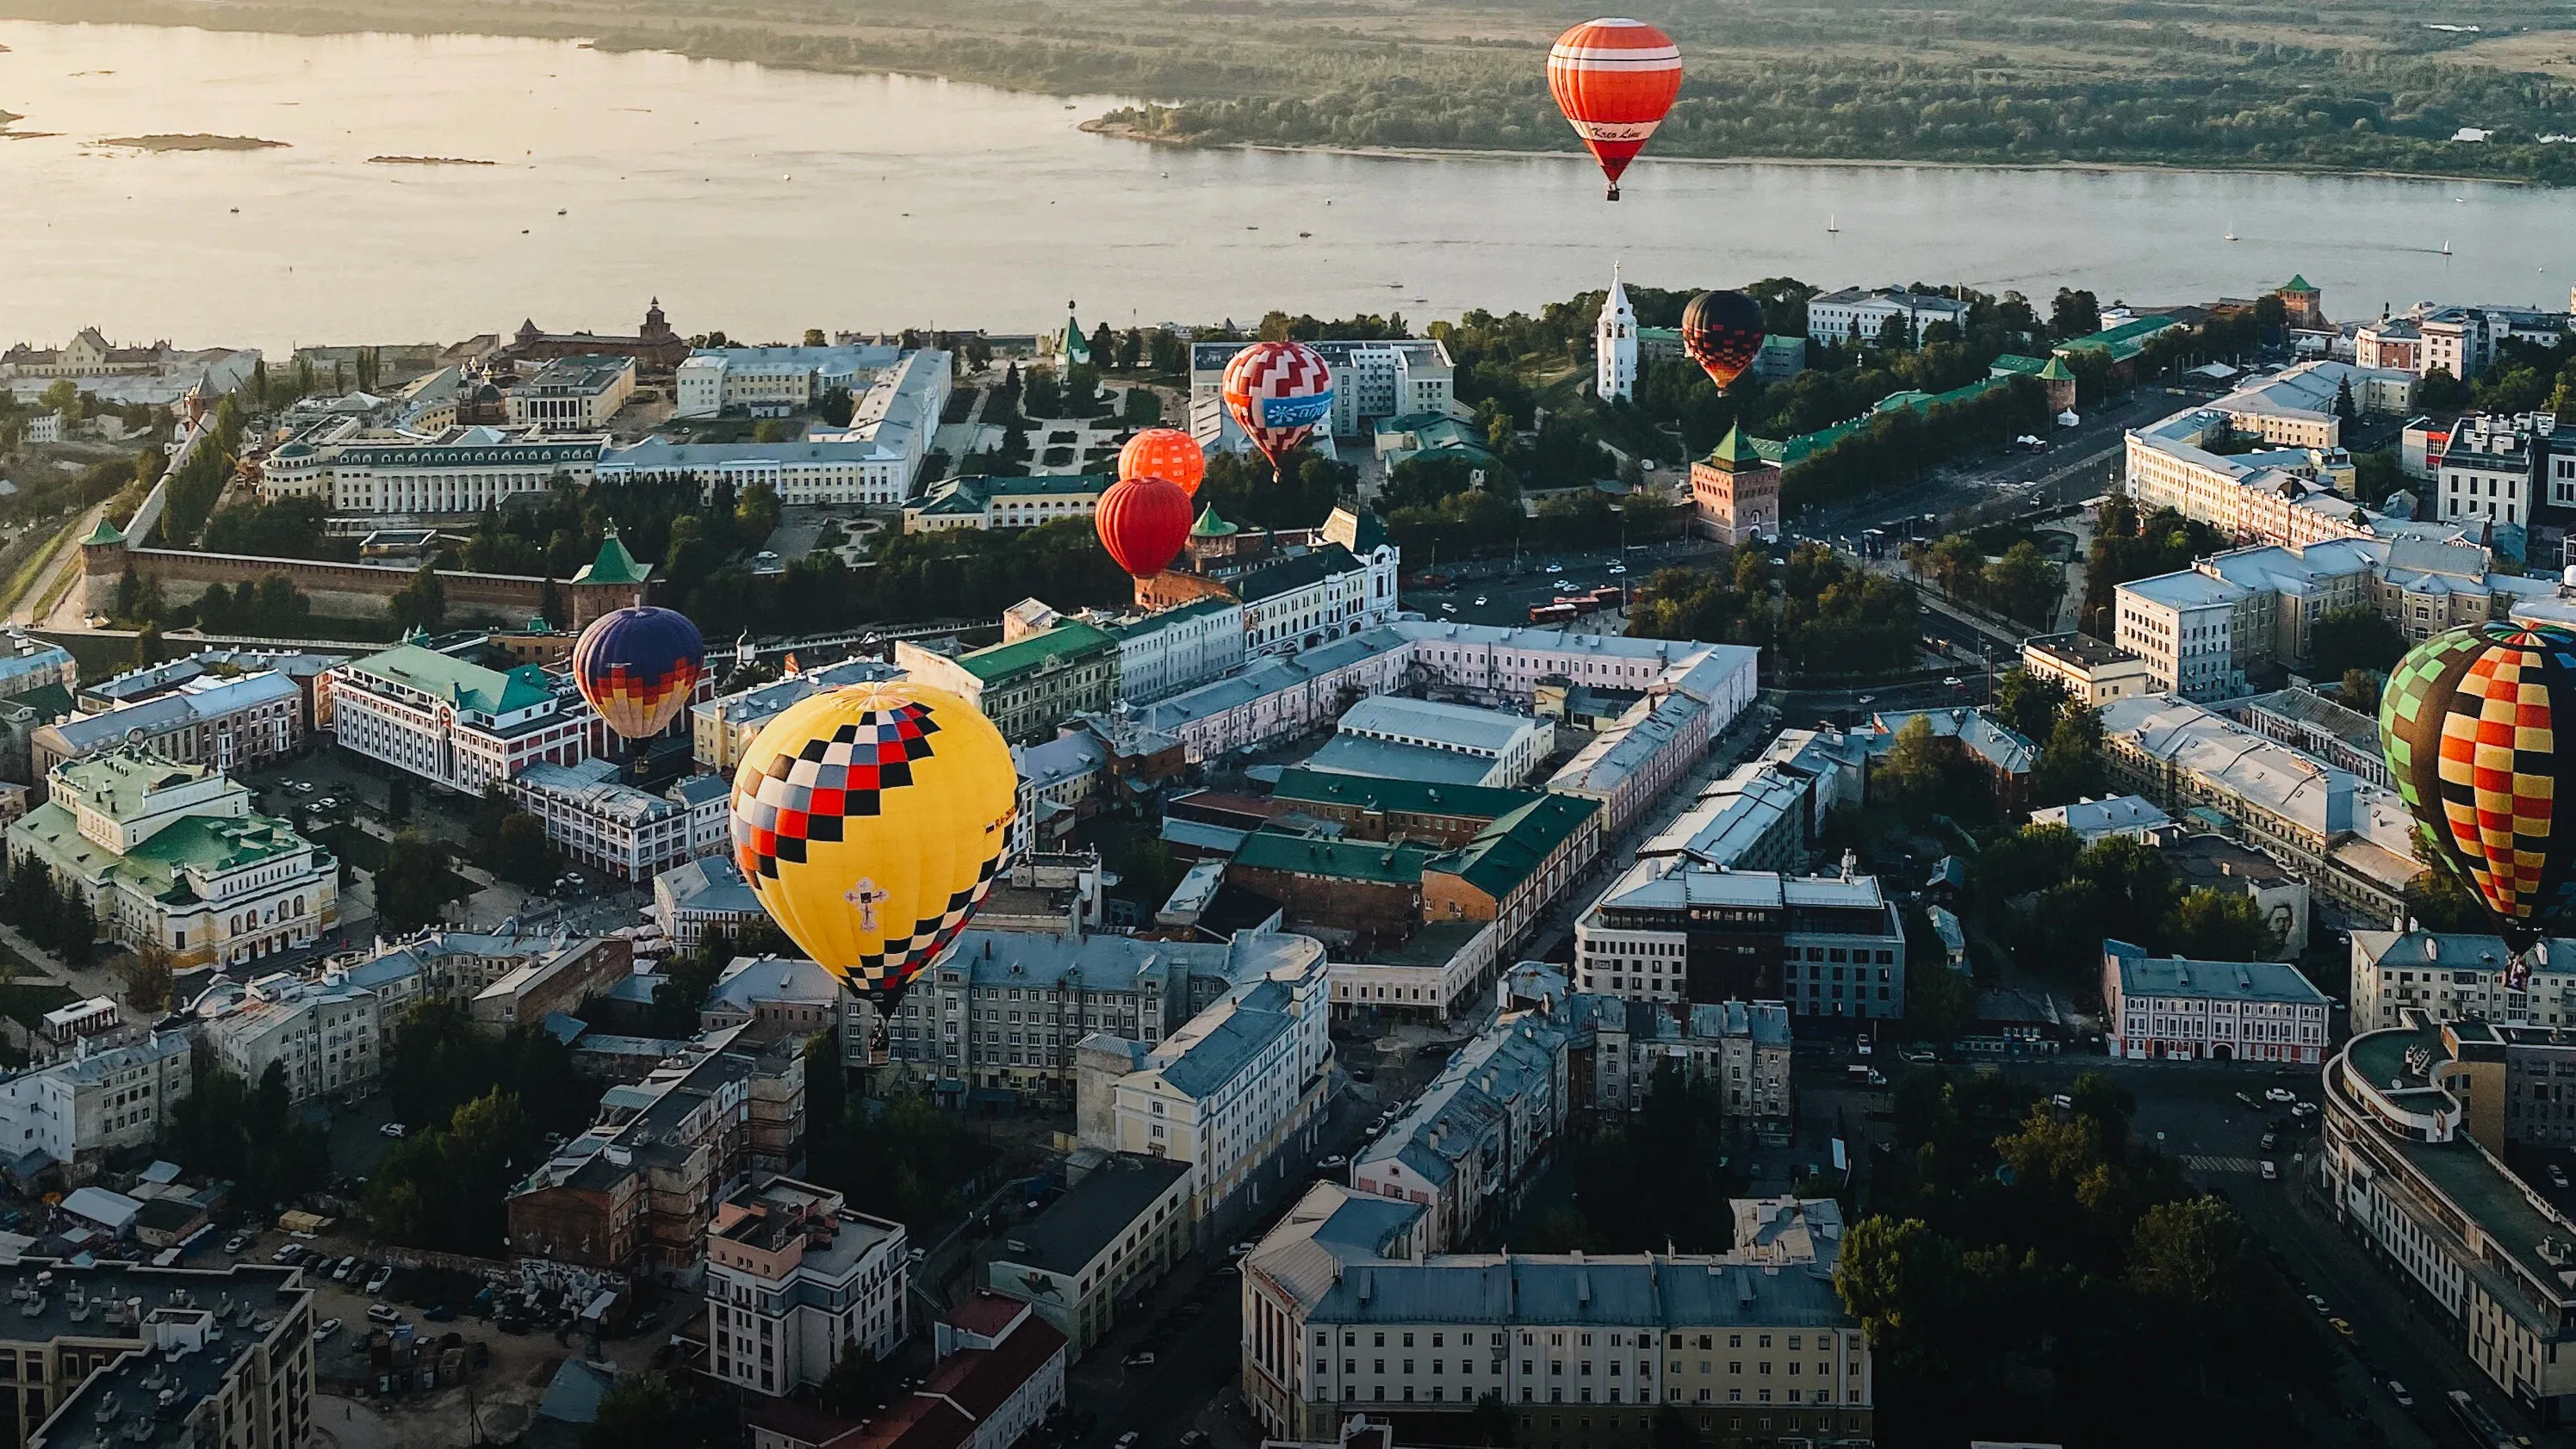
{"x": 1551, "y": 613}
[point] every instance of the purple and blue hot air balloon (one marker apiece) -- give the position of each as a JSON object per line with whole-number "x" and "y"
{"x": 638, "y": 667}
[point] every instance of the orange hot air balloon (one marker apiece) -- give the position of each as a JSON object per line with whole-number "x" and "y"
{"x": 1143, "y": 522}
{"x": 1614, "y": 79}
{"x": 1166, "y": 453}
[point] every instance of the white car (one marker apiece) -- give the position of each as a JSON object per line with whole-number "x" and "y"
{"x": 1556, "y": 568}
{"x": 395, "y": 1130}
{"x": 1954, "y": 682}
{"x": 1480, "y": 600}
{"x": 2271, "y": 1170}
{"x": 376, "y": 1281}
{"x": 1448, "y": 608}
{"x": 2279, "y": 1094}
{"x": 2557, "y": 1175}
{"x": 1618, "y": 568}
{"x": 2398, "y": 1392}
{"x": 323, "y": 1330}
{"x": 1336, "y": 1160}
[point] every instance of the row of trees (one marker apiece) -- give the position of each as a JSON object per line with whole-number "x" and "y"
{"x": 250, "y": 1135}
{"x": 2128, "y": 547}
{"x": 485, "y": 1102}
{"x": 56, "y": 917}
{"x": 199, "y": 482}
{"x": 1817, "y": 613}
{"x": 1900, "y": 444}
{"x": 2052, "y": 899}
{"x": 2022, "y": 582}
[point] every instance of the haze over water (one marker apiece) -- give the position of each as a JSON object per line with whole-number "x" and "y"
{"x": 767, "y": 201}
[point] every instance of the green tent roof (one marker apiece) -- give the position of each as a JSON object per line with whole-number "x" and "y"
{"x": 1211, "y": 526}
{"x": 104, "y": 533}
{"x": 1735, "y": 452}
{"x": 2297, "y": 284}
{"x": 614, "y": 564}
{"x": 2056, "y": 370}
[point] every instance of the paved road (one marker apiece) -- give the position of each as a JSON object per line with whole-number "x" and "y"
{"x": 1509, "y": 593}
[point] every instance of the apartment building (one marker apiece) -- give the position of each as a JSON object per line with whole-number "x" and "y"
{"x": 573, "y": 394}
{"x": 772, "y": 381}
{"x": 327, "y": 1036}
{"x": 448, "y": 966}
{"x": 97, "y": 1100}
{"x": 230, "y": 724}
{"x": 162, "y": 1357}
{"x": 702, "y": 895}
{"x": 1739, "y": 1047}
{"x": 600, "y": 822}
{"x": 2353, "y": 840}
{"x": 459, "y": 725}
{"x": 2168, "y": 1008}
{"x": 1120, "y": 1226}
{"x": 2414, "y": 1164}
{"x": 1637, "y": 760}
{"x": 1861, "y": 314}
{"x": 1000, "y": 1376}
{"x": 1169, "y": 650}
{"x": 1028, "y": 685}
{"x": 1474, "y": 1140}
{"x": 1233, "y": 1088}
{"x": 1344, "y": 1308}
{"x": 722, "y": 728}
{"x": 172, "y": 854}
{"x": 2093, "y": 672}
{"x": 2184, "y": 626}
{"x": 638, "y": 1190}
{"x": 2458, "y": 977}
{"x": 1672, "y": 930}
{"x": 794, "y": 1279}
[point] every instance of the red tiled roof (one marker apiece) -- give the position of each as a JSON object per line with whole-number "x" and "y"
{"x": 800, "y": 1425}
{"x": 964, "y": 1391}
{"x": 987, "y": 1315}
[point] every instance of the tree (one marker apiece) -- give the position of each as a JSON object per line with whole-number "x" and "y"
{"x": 648, "y": 1411}
{"x": 148, "y": 976}
{"x": 1142, "y": 407}
{"x": 1493, "y": 1424}
{"x": 2344, "y": 406}
{"x": 2029, "y": 703}
{"x": 2069, "y": 766}
{"x": 411, "y": 887}
{"x": 2360, "y": 690}
{"x": 855, "y": 1384}
{"x": 1041, "y": 397}
{"x": 2074, "y": 314}
{"x": 422, "y": 603}
{"x": 62, "y": 395}
{"x": 521, "y": 853}
{"x": 2206, "y": 925}
{"x": 148, "y": 646}
{"x": 2440, "y": 392}
{"x": 2355, "y": 637}
{"x": 398, "y": 799}
{"x": 2192, "y": 1251}
{"x": 1940, "y": 1000}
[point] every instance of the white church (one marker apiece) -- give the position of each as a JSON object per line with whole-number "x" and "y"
{"x": 1614, "y": 344}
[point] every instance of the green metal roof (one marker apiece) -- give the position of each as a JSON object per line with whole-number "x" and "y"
{"x": 2056, "y": 370}
{"x": 1363, "y": 860}
{"x": 1210, "y": 525}
{"x": 105, "y": 532}
{"x": 2124, "y": 341}
{"x": 1506, "y": 852}
{"x": 116, "y": 783}
{"x": 466, "y": 686}
{"x": 614, "y": 564}
{"x": 2297, "y": 283}
{"x": 2015, "y": 363}
{"x": 1807, "y": 445}
{"x": 1734, "y": 452}
{"x": 1414, "y": 797}
{"x": 999, "y": 661}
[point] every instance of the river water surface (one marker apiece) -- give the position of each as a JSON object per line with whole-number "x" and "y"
{"x": 763, "y": 202}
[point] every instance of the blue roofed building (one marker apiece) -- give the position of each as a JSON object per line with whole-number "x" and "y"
{"x": 1560, "y": 1338}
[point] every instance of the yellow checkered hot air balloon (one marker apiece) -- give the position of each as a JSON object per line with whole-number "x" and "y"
{"x": 871, "y": 821}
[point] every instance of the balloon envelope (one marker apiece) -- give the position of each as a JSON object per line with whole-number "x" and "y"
{"x": 1278, "y": 392}
{"x": 1143, "y": 522}
{"x": 1722, "y": 332}
{"x": 1615, "y": 80}
{"x": 1166, "y": 453}
{"x": 638, "y": 667}
{"x": 2469, "y": 725}
{"x": 870, "y": 822}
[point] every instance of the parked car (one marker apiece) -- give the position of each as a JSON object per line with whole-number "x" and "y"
{"x": 383, "y": 1313}
{"x": 376, "y": 1282}
{"x": 439, "y": 1313}
{"x": 395, "y": 1130}
{"x": 324, "y": 1329}
{"x": 2271, "y": 1170}
{"x": 2318, "y": 1304}
{"x": 289, "y": 1255}
{"x": 2271, "y": 1140}
{"x": 2398, "y": 1392}
{"x": 2557, "y": 1175}
{"x": 2339, "y": 1326}
{"x": 236, "y": 1242}
{"x": 2279, "y": 1094}
{"x": 340, "y": 1270}
{"x": 1336, "y": 1160}
{"x": 1139, "y": 1360}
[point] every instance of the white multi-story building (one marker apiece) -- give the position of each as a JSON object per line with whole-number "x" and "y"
{"x": 981, "y": 502}
{"x": 1232, "y": 1087}
{"x": 795, "y": 1278}
{"x": 1614, "y": 344}
{"x": 773, "y": 380}
{"x": 2284, "y": 493}
{"x": 1491, "y": 747}
{"x": 2245, "y": 1011}
{"x": 1274, "y": 698}
{"x": 573, "y": 394}
{"x": 1170, "y": 650}
{"x": 2452, "y": 977}
{"x": 1305, "y": 600}
{"x": 2462, "y": 341}
{"x": 172, "y": 854}
{"x": 326, "y": 1034}
{"x": 463, "y": 470}
{"x": 1672, "y": 930}
{"x": 874, "y": 461}
{"x": 2093, "y": 672}
{"x": 702, "y": 895}
{"x": 99, "y": 1099}
{"x": 456, "y": 724}
{"x": 1344, "y": 1309}
{"x": 1861, "y": 315}
{"x": 610, "y": 826}
{"x": 1638, "y": 760}
{"x": 1371, "y": 380}
{"x": 2184, "y": 626}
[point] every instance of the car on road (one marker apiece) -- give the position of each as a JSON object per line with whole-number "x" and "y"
{"x": 1556, "y": 568}
{"x": 322, "y": 1331}
{"x": 1127, "y": 1440}
{"x": 1140, "y": 1360}
{"x": 2271, "y": 1170}
{"x": 1480, "y": 601}
{"x": 2279, "y": 1094}
{"x": 1866, "y": 700}
{"x": 1336, "y": 1160}
{"x": 2271, "y": 1140}
{"x": 2318, "y": 1304}
{"x": 383, "y": 1313}
{"x": 2398, "y": 1392}
{"x": 376, "y": 1281}
{"x": 2339, "y": 1326}
{"x": 395, "y": 1130}
{"x": 2557, "y": 1175}
{"x": 1618, "y": 568}
{"x": 1448, "y": 608}
{"x": 1955, "y": 682}
{"x": 1917, "y": 1054}
{"x": 2248, "y": 1101}
{"x": 236, "y": 1242}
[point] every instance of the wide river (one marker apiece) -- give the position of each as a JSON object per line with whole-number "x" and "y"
{"x": 763, "y": 202}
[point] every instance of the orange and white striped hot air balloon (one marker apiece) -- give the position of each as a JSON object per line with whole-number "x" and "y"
{"x": 1615, "y": 80}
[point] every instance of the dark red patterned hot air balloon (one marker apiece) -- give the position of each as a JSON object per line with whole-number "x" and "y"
{"x": 1722, "y": 332}
{"x": 1143, "y": 522}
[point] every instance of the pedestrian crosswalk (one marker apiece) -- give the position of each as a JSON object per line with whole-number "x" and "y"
{"x": 2195, "y": 1162}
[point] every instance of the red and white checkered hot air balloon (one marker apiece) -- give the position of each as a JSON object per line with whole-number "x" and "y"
{"x": 1614, "y": 79}
{"x": 1277, "y": 392}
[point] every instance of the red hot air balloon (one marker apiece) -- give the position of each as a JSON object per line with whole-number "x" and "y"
{"x": 1143, "y": 522}
{"x": 1166, "y": 453}
{"x": 638, "y": 667}
{"x": 1614, "y": 79}
{"x": 1277, "y": 392}
{"x": 1722, "y": 332}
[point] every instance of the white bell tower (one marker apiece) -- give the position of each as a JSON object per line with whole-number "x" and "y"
{"x": 1614, "y": 344}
